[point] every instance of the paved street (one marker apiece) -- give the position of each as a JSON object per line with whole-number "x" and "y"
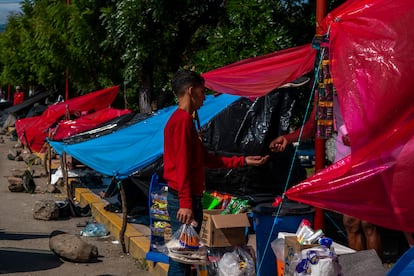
{"x": 24, "y": 241}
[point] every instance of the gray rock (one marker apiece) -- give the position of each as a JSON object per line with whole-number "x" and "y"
{"x": 72, "y": 248}
{"x": 15, "y": 184}
{"x": 30, "y": 158}
{"x": 19, "y": 145}
{"x": 52, "y": 189}
{"x": 13, "y": 154}
{"x": 18, "y": 158}
{"x": 45, "y": 210}
{"x": 18, "y": 172}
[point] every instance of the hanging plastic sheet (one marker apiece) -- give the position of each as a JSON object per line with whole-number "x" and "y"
{"x": 371, "y": 56}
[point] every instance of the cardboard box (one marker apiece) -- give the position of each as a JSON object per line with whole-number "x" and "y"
{"x": 292, "y": 247}
{"x": 223, "y": 230}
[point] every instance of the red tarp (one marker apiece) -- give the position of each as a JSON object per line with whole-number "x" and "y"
{"x": 258, "y": 76}
{"x": 33, "y": 131}
{"x": 67, "y": 128}
{"x": 371, "y": 45}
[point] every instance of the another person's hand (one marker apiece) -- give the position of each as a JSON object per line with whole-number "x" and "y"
{"x": 185, "y": 215}
{"x": 256, "y": 160}
{"x": 278, "y": 144}
{"x": 345, "y": 137}
{"x": 345, "y": 140}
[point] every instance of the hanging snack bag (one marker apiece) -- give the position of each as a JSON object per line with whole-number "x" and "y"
{"x": 185, "y": 246}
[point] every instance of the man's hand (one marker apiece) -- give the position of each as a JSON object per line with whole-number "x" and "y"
{"x": 278, "y": 144}
{"x": 256, "y": 160}
{"x": 185, "y": 215}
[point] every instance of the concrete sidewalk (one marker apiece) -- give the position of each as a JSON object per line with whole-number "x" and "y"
{"x": 137, "y": 237}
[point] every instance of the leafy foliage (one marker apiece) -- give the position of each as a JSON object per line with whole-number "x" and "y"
{"x": 153, "y": 35}
{"x": 142, "y": 43}
{"x": 239, "y": 36}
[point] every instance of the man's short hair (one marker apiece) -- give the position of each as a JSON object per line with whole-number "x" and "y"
{"x": 18, "y": 88}
{"x": 184, "y": 79}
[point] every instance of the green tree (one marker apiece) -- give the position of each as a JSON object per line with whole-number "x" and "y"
{"x": 158, "y": 37}
{"x": 142, "y": 43}
{"x": 16, "y": 53}
{"x": 92, "y": 65}
{"x": 153, "y": 36}
{"x": 239, "y": 36}
{"x": 49, "y": 37}
{"x": 48, "y": 46}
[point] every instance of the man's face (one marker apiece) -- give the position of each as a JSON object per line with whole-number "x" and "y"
{"x": 197, "y": 96}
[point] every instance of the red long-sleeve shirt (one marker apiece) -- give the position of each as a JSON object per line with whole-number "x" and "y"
{"x": 18, "y": 97}
{"x": 185, "y": 158}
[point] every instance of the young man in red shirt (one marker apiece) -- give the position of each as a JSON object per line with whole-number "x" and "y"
{"x": 185, "y": 159}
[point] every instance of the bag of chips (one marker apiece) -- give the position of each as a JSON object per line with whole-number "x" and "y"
{"x": 185, "y": 246}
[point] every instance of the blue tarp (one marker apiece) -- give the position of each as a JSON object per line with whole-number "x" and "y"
{"x": 130, "y": 149}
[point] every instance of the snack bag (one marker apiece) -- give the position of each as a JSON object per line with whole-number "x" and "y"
{"x": 185, "y": 246}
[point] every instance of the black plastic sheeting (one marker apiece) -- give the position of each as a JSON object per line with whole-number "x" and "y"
{"x": 108, "y": 127}
{"x": 246, "y": 128}
{"x": 28, "y": 103}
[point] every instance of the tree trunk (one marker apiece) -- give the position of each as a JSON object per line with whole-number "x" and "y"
{"x": 144, "y": 100}
{"x": 145, "y": 92}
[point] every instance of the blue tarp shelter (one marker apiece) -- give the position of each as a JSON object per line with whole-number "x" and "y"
{"x": 126, "y": 151}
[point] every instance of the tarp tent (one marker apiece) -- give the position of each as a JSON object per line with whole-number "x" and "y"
{"x": 67, "y": 128}
{"x": 124, "y": 152}
{"x": 371, "y": 52}
{"x": 33, "y": 131}
{"x": 371, "y": 64}
{"x": 258, "y": 76}
{"x": 28, "y": 103}
{"x": 240, "y": 127}
{"x": 10, "y": 114}
{"x": 110, "y": 126}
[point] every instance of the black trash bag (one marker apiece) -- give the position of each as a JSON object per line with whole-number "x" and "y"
{"x": 28, "y": 182}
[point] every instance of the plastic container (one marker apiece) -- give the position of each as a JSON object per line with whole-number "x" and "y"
{"x": 289, "y": 219}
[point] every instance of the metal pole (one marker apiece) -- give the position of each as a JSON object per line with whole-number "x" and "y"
{"x": 67, "y": 72}
{"x": 320, "y": 13}
{"x": 319, "y": 142}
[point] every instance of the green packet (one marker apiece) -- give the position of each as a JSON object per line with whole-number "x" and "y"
{"x": 236, "y": 206}
{"x": 209, "y": 202}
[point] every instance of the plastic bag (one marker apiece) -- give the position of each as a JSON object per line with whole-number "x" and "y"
{"x": 236, "y": 263}
{"x": 318, "y": 261}
{"x": 278, "y": 247}
{"x": 185, "y": 246}
{"x": 94, "y": 230}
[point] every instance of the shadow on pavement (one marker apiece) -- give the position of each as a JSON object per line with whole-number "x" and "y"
{"x": 21, "y": 236}
{"x": 26, "y": 260}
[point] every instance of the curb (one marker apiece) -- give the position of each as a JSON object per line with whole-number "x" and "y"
{"x": 136, "y": 242}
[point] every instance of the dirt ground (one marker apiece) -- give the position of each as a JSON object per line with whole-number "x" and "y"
{"x": 24, "y": 241}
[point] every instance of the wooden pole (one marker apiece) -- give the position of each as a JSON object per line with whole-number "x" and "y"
{"x": 124, "y": 218}
{"x": 48, "y": 163}
{"x": 69, "y": 194}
